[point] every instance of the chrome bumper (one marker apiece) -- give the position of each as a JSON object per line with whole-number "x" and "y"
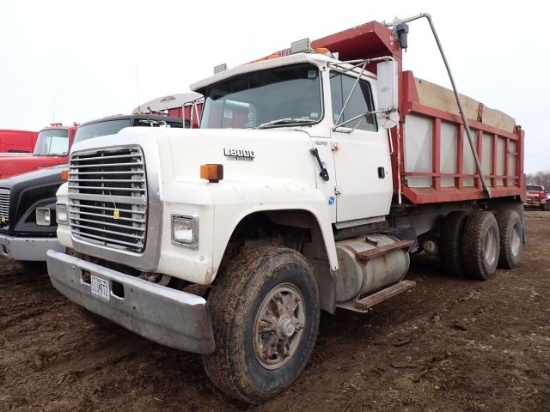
{"x": 29, "y": 248}
{"x": 173, "y": 318}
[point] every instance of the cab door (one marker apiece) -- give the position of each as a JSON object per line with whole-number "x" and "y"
{"x": 361, "y": 152}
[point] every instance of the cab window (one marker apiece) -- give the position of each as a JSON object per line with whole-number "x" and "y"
{"x": 353, "y": 115}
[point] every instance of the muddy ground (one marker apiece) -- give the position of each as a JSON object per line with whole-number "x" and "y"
{"x": 447, "y": 345}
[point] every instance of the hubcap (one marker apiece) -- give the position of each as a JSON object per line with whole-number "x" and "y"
{"x": 491, "y": 252}
{"x": 515, "y": 240}
{"x": 279, "y": 326}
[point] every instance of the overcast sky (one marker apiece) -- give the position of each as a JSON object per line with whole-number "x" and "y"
{"x": 67, "y": 61}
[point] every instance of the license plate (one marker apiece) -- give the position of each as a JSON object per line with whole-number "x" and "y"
{"x": 100, "y": 288}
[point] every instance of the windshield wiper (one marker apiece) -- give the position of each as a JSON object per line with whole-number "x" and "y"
{"x": 287, "y": 121}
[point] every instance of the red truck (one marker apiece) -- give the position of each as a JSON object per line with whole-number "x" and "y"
{"x": 536, "y": 197}
{"x": 314, "y": 176}
{"x": 51, "y": 148}
{"x": 17, "y": 141}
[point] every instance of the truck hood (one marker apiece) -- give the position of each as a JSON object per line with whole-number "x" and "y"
{"x": 15, "y": 165}
{"x": 249, "y": 155}
{"x": 36, "y": 177}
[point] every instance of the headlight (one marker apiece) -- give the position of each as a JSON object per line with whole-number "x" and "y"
{"x": 61, "y": 213}
{"x": 185, "y": 231}
{"x": 43, "y": 216}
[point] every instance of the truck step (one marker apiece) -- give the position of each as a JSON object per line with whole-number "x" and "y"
{"x": 381, "y": 250}
{"x": 386, "y": 293}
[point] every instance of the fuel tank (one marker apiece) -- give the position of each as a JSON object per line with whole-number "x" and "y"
{"x": 359, "y": 274}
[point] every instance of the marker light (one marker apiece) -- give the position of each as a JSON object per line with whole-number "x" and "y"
{"x": 212, "y": 172}
{"x": 61, "y": 212}
{"x": 300, "y": 46}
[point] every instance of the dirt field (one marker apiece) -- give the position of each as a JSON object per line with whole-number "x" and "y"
{"x": 447, "y": 345}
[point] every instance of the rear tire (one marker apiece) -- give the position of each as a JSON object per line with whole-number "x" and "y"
{"x": 511, "y": 238}
{"x": 450, "y": 242}
{"x": 481, "y": 242}
{"x": 265, "y": 314}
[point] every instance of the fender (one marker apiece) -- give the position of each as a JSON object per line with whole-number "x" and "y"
{"x": 221, "y": 208}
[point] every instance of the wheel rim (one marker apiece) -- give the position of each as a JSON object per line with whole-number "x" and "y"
{"x": 491, "y": 252}
{"x": 515, "y": 240}
{"x": 279, "y": 326}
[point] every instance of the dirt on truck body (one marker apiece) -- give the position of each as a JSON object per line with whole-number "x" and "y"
{"x": 450, "y": 344}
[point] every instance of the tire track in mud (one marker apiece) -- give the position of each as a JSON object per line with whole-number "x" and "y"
{"x": 399, "y": 318}
{"x": 16, "y": 314}
{"x": 20, "y": 276}
{"x": 363, "y": 349}
{"x": 26, "y": 295}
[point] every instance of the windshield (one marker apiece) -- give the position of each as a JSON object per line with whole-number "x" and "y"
{"x": 52, "y": 142}
{"x": 278, "y": 97}
{"x": 87, "y": 131}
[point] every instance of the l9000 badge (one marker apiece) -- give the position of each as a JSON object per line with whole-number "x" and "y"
{"x": 239, "y": 154}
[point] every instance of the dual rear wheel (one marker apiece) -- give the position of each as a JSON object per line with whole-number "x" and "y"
{"x": 475, "y": 244}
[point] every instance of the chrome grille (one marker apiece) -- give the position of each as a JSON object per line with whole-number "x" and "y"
{"x": 4, "y": 206}
{"x": 108, "y": 198}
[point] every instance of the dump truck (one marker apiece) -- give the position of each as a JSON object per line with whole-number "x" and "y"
{"x": 315, "y": 174}
{"x": 186, "y": 106}
{"x": 17, "y": 141}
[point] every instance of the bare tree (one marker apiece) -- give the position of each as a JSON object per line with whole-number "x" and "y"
{"x": 539, "y": 178}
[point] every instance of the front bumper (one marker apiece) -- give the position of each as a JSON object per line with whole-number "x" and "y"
{"x": 27, "y": 248}
{"x": 170, "y": 317}
{"x": 534, "y": 202}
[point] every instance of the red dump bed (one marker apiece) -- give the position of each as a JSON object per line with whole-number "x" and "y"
{"x": 433, "y": 160}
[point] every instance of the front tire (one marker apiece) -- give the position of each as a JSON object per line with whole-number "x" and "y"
{"x": 481, "y": 245}
{"x": 265, "y": 316}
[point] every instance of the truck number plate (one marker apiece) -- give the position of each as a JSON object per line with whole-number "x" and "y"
{"x": 100, "y": 288}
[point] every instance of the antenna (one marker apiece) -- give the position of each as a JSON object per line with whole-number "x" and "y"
{"x": 54, "y": 104}
{"x": 137, "y": 86}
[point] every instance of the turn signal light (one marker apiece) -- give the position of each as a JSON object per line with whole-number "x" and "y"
{"x": 65, "y": 174}
{"x": 212, "y": 172}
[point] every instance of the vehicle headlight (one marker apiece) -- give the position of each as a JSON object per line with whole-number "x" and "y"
{"x": 43, "y": 216}
{"x": 185, "y": 231}
{"x": 62, "y": 213}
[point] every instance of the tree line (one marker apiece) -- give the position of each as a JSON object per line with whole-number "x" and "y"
{"x": 539, "y": 178}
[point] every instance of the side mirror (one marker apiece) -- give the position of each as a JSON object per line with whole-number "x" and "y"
{"x": 388, "y": 103}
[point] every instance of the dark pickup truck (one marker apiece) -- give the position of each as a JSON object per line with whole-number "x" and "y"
{"x": 27, "y": 201}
